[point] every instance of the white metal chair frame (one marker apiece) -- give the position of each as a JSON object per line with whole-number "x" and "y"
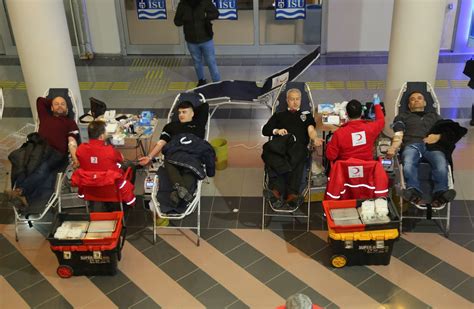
{"x": 196, "y": 202}
{"x": 37, "y": 217}
{"x": 55, "y": 198}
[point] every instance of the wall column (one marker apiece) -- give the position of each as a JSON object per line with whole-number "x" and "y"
{"x": 415, "y": 41}
{"x": 44, "y": 47}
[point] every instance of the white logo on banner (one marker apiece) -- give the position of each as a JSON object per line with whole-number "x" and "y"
{"x": 356, "y": 171}
{"x": 358, "y": 138}
{"x": 94, "y": 160}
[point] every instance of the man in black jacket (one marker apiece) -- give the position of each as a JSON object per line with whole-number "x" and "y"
{"x": 189, "y": 123}
{"x": 301, "y": 126}
{"x": 195, "y": 16}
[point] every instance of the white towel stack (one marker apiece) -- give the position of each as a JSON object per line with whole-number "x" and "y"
{"x": 381, "y": 207}
{"x": 368, "y": 210}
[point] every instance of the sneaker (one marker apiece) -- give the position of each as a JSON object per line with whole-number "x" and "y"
{"x": 294, "y": 200}
{"x": 443, "y": 197}
{"x": 412, "y": 195}
{"x": 272, "y": 195}
{"x": 201, "y": 82}
{"x": 183, "y": 193}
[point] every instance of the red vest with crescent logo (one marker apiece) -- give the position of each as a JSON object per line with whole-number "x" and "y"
{"x": 356, "y": 179}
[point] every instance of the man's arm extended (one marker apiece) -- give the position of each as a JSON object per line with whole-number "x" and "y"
{"x": 153, "y": 153}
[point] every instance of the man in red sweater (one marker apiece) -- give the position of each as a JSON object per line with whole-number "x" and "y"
{"x": 98, "y": 156}
{"x": 62, "y": 134}
{"x": 356, "y": 138}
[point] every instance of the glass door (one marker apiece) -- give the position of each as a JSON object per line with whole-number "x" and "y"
{"x": 7, "y": 44}
{"x": 255, "y": 31}
{"x": 151, "y": 36}
{"x": 7, "y": 40}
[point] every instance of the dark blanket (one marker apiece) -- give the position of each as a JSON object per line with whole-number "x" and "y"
{"x": 451, "y": 132}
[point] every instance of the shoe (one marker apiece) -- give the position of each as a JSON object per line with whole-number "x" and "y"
{"x": 174, "y": 198}
{"x": 443, "y": 197}
{"x": 412, "y": 195}
{"x": 201, "y": 82}
{"x": 183, "y": 193}
{"x": 272, "y": 195}
{"x": 294, "y": 200}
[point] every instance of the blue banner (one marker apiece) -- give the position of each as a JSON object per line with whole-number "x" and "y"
{"x": 227, "y": 9}
{"x": 151, "y": 9}
{"x": 290, "y": 9}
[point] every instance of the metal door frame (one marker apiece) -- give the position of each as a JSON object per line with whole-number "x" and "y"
{"x": 6, "y": 35}
{"x": 139, "y": 49}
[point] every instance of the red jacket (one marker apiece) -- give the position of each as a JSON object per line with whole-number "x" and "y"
{"x": 96, "y": 156}
{"x": 356, "y": 138}
{"x": 356, "y": 179}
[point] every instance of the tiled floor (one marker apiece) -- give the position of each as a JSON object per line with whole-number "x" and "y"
{"x": 237, "y": 264}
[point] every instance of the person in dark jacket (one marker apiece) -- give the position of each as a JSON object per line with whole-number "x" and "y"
{"x": 301, "y": 127}
{"x": 61, "y": 133}
{"x": 413, "y": 132}
{"x": 191, "y": 122}
{"x": 195, "y": 16}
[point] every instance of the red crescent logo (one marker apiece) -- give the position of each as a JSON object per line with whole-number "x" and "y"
{"x": 355, "y": 170}
{"x": 359, "y": 136}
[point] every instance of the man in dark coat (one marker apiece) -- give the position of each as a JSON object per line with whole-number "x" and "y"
{"x": 191, "y": 122}
{"x": 195, "y": 16}
{"x": 298, "y": 127}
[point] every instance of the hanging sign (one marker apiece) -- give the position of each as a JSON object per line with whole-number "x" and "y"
{"x": 290, "y": 9}
{"x": 227, "y": 9}
{"x": 151, "y": 9}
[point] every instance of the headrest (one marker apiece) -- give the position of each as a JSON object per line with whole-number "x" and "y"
{"x": 195, "y": 98}
{"x": 63, "y": 92}
{"x": 421, "y": 87}
{"x": 281, "y": 104}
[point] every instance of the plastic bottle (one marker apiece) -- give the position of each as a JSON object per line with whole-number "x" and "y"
{"x": 376, "y": 99}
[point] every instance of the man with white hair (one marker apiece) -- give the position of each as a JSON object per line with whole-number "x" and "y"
{"x": 300, "y": 127}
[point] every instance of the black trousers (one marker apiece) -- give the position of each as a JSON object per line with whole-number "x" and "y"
{"x": 180, "y": 175}
{"x": 288, "y": 183}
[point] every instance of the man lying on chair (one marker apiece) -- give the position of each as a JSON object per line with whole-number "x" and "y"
{"x": 292, "y": 129}
{"x": 97, "y": 156}
{"x": 356, "y": 138}
{"x": 59, "y": 134}
{"x": 185, "y": 149}
{"x": 412, "y": 130}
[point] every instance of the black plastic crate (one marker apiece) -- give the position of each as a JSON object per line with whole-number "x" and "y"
{"x": 375, "y": 251}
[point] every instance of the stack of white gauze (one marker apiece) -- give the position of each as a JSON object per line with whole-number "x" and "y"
{"x": 381, "y": 207}
{"x": 63, "y": 232}
{"x": 368, "y": 210}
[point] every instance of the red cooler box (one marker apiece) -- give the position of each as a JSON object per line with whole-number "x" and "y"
{"x": 94, "y": 252}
